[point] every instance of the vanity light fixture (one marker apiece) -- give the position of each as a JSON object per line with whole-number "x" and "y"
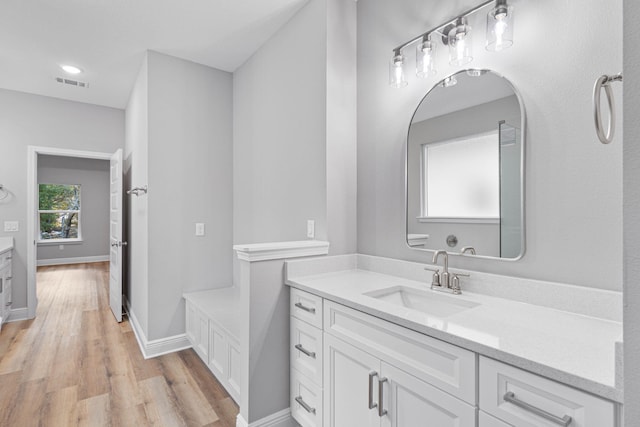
{"x": 500, "y": 27}
{"x": 425, "y": 57}
{"x": 449, "y": 81}
{"x": 455, "y": 33}
{"x": 459, "y": 41}
{"x": 397, "y": 77}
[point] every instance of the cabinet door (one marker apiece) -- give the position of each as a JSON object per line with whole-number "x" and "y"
{"x": 485, "y": 420}
{"x": 347, "y": 385}
{"x": 218, "y": 351}
{"x": 410, "y": 402}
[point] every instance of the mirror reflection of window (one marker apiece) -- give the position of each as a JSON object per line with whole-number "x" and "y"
{"x": 461, "y": 178}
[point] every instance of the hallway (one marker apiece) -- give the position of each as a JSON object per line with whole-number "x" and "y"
{"x": 74, "y": 365}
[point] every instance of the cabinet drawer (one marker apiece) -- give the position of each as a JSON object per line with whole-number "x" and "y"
{"x": 486, "y": 420}
{"x": 538, "y": 399}
{"x": 306, "y": 307}
{"x": 447, "y": 367}
{"x": 306, "y": 401}
{"x": 306, "y": 350}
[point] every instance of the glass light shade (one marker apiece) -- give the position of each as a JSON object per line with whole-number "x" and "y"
{"x": 426, "y": 59}
{"x": 397, "y": 77}
{"x": 450, "y": 81}
{"x": 460, "y": 49}
{"x": 500, "y": 27}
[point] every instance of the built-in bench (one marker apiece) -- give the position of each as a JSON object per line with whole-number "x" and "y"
{"x": 213, "y": 328}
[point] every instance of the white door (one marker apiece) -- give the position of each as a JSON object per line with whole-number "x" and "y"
{"x": 410, "y": 402}
{"x": 350, "y": 385}
{"x": 115, "y": 235}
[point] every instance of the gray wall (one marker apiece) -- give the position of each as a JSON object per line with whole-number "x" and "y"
{"x": 93, "y": 177}
{"x": 181, "y": 139}
{"x": 574, "y": 183}
{"x": 279, "y": 148}
{"x": 485, "y": 238}
{"x": 631, "y": 212}
{"x": 49, "y": 122}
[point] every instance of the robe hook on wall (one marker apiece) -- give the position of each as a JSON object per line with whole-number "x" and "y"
{"x": 138, "y": 190}
{"x": 604, "y": 82}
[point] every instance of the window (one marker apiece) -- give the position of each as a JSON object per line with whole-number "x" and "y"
{"x": 59, "y": 212}
{"x": 461, "y": 179}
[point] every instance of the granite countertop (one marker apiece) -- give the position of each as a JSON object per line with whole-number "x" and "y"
{"x": 574, "y": 349}
{"x": 6, "y": 243}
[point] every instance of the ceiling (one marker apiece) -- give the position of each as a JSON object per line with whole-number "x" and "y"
{"x": 108, "y": 38}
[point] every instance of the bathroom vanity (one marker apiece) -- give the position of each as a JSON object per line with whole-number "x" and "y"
{"x": 6, "y": 299}
{"x": 372, "y": 346}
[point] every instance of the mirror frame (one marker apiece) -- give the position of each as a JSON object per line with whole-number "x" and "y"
{"x": 523, "y": 133}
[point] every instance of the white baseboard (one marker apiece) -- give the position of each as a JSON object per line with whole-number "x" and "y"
{"x": 155, "y": 348}
{"x": 279, "y": 419}
{"x": 75, "y": 260}
{"x": 18, "y": 314}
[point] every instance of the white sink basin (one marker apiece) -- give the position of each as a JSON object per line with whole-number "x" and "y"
{"x": 429, "y": 302}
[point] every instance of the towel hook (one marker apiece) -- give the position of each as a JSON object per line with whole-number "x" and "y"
{"x": 138, "y": 190}
{"x": 605, "y": 82}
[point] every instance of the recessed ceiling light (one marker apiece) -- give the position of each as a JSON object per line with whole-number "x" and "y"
{"x": 71, "y": 69}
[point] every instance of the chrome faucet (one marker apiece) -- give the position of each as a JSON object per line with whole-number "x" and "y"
{"x": 445, "y": 281}
{"x": 444, "y": 276}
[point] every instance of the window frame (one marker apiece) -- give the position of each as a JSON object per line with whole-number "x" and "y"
{"x": 424, "y": 217}
{"x": 58, "y": 241}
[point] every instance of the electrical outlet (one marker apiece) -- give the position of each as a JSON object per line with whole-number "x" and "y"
{"x": 199, "y": 229}
{"x": 311, "y": 228}
{"x": 11, "y": 226}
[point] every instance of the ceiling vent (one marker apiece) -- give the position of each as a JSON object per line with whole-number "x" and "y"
{"x": 71, "y": 82}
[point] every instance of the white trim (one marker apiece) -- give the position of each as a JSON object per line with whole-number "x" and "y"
{"x": 32, "y": 179}
{"x": 281, "y": 250}
{"x": 279, "y": 419}
{"x": 18, "y": 314}
{"x": 458, "y": 220}
{"x": 76, "y": 260}
{"x": 159, "y": 347}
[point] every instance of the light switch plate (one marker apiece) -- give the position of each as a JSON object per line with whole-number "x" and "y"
{"x": 11, "y": 226}
{"x": 199, "y": 229}
{"x": 311, "y": 229}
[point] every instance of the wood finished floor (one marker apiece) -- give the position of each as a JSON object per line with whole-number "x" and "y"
{"x": 75, "y": 365}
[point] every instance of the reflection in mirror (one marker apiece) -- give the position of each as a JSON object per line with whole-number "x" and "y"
{"x": 465, "y": 176}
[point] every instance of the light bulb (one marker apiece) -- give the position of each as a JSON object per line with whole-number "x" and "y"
{"x": 397, "y": 78}
{"x": 500, "y": 27}
{"x": 425, "y": 58}
{"x": 459, "y": 39}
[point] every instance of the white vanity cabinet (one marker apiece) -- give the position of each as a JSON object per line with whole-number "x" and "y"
{"x": 6, "y": 300}
{"x": 361, "y": 370}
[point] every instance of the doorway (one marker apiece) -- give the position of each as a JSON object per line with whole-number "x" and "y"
{"x": 68, "y": 229}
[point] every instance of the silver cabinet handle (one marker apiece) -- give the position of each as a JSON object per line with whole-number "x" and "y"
{"x": 564, "y": 421}
{"x": 372, "y": 375}
{"x": 311, "y": 354}
{"x": 306, "y": 407}
{"x": 381, "y": 411}
{"x": 307, "y": 309}
{"x": 8, "y": 304}
{"x": 9, "y": 278}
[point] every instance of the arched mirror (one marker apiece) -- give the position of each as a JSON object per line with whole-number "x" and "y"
{"x": 465, "y": 168}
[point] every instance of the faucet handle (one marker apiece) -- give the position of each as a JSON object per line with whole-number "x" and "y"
{"x": 430, "y": 268}
{"x": 461, "y": 274}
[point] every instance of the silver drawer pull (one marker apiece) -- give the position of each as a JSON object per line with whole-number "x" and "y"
{"x": 307, "y": 309}
{"x": 372, "y": 375}
{"x": 311, "y": 354}
{"x": 381, "y": 411}
{"x": 306, "y": 407}
{"x": 564, "y": 421}
{"x": 8, "y": 304}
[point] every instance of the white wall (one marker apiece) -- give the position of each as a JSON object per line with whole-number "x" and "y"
{"x": 179, "y": 144}
{"x": 27, "y": 119}
{"x": 93, "y": 177}
{"x": 574, "y": 183}
{"x": 631, "y": 212}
